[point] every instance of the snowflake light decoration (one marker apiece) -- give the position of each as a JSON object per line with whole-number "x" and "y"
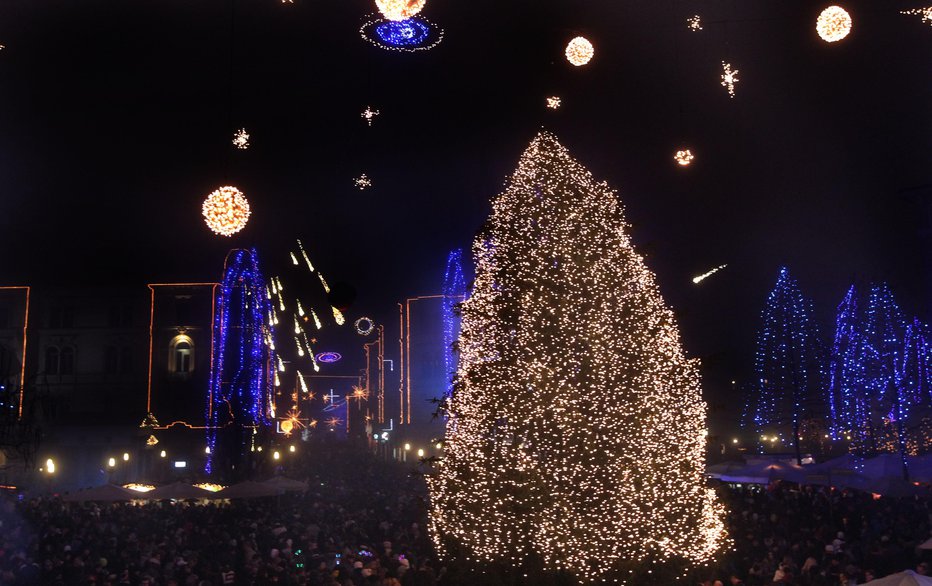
{"x": 553, "y": 102}
{"x": 411, "y": 34}
{"x": 363, "y": 182}
{"x": 694, "y": 23}
{"x": 833, "y": 24}
{"x": 579, "y": 51}
{"x": 729, "y": 78}
{"x": 399, "y": 9}
{"x": 683, "y": 157}
{"x": 925, "y": 13}
{"x": 226, "y": 211}
{"x": 369, "y": 115}
{"x": 241, "y": 139}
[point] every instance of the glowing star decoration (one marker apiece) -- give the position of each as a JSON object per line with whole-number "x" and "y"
{"x": 700, "y": 278}
{"x": 241, "y": 139}
{"x": 399, "y": 9}
{"x": 412, "y": 34}
{"x": 553, "y": 102}
{"x": 925, "y": 13}
{"x": 369, "y": 115}
{"x": 683, "y": 157}
{"x": 694, "y": 23}
{"x": 729, "y": 78}
{"x": 362, "y": 182}
{"x": 152, "y": 440}
{"x": 226, "y": 211}
{"x": 364, "y": 326}
{"x": 833, "y": 24}
{"x": 579, "y": 51}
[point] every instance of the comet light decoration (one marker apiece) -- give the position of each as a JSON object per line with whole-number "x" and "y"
{"x": 363, "y": 182}
{"x": 683, "y": 157}
{"x": 700, "y": 278}
{"x": 694, "y": 23}
{"x": 364, "y": 326}
{"x": 399, "y": 9}
{"x": 306, "y": 259}
{"x": 323, "y": 283}
{"x": 590, "y": 462}
{"x": 412, "y": 34}
{"x": 226, "y": 211}
{"x": 242, "y": 371}
{"x": 579, "y": 51}
{"x": 294, "y": 259}
{"x": 338, "y": 316}
{"x": 925, "y": 13}
{"x": 369, "y": 115}
{"x": 241, "y": 139}
{"x": 554, "y": 102}
{"x": 729, "y": 78}
{"x": 833, "y": 24}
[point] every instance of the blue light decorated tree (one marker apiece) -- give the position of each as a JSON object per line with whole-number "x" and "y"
{"x": 239, "y": 402}
{"x": 454, "y": 290}
{"x": 788, "y": 390}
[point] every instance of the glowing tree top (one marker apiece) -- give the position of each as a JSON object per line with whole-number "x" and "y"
{"x": 454, "y": 289}
{"x": 576, "y": 429}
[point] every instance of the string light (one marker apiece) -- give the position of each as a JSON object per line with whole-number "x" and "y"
{"x": 297, "y": 343}
{"x": 454, "y": 291}
{"x": 369, "y": 115}
{"x": 833, "y": 24}
{"x": 411, "y": 34}
{"x": 700, "y": 278}
{"x": 300, "y": 309}
{"x": 306, "y": 259}
{"x": 729, "y": 78}
{"x": 317, "y": 323}
{"x": 226, "y": 211}
{"x": 399, "y": 9}
{"x": 297, "y": 325}
{"x": 553, "y": 102}
{"x": 925, "y": 13}
{"x": 241, "y": 139}
{"x": 338, "y": 316}
{"x": 683, "y": 157}
{"x": 590, "y": 462}
{"x": 294, "y": 259}
{"x": 694, "y": 23}
{"x": 323, "y": 283}
{"x": 363, "y": 182}
{"x": 579, "y": 51}
{"x": 364, "y": 326}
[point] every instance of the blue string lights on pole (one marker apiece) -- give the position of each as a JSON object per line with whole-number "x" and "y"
{"x": 847, "y": 378}
{"x": 454, "y": 290}
{"x": 787, "y": 362}
{"x": 242, "y": 375}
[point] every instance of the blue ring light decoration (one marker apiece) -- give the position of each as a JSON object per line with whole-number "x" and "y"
{"x": 329, "y": 357}
{"x": 411, "y": 34}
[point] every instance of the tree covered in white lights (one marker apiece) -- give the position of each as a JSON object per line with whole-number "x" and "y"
{"x": 576, "y": 428}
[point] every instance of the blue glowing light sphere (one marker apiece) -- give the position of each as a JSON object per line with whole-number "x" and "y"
{"x": 403, "y": 33}
{"x": 328, "y": 357}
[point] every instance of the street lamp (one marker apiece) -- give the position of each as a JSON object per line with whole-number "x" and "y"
{"x": 291, "y": 449}
{"x": 126, "y": 456}
{"x": 162, "y": 454}
{"x": 111, "y": 462}
{"x": 420, "y": 453}
{"x": 50, "y": 466}
{"x": 407, "y": 447}
{"x": 276, "y": 455}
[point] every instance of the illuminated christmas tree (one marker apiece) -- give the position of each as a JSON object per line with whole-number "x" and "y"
{"x": 576, "y": 430}
{"x": 788, "y": 365}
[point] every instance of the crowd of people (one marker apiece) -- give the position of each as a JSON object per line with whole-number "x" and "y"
{"x": 362, "y": 523}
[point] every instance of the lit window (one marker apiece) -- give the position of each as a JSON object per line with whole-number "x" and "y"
{"x": 181, "y": 355}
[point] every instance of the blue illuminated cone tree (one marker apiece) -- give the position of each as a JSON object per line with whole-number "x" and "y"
{"x": 576, "y": 429}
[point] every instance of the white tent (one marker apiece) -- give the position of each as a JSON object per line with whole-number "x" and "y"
{"x": 764, "y": 472}
{"x": 907, "y": 578}
{"x": 105, "y": 493}
{"x": 178, "y": 491}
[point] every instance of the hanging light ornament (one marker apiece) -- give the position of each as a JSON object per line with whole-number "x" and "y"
{"x": 241, "y": 139}
{"x": 554, "y": 102}
{"x": 729, "y": 78}
{"x": 399, "y": 9}
{"x": 579, "y": 51}
{"x": 833, "y": 24}
{"x": 226, "y": 211}
{"x": 683, "y": 157}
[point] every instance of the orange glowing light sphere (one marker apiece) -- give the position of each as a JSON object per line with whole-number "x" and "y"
{"x": 579, "y": 51}
{"x": 833, "y": 24}
{"x": 287, "y": 426}
{"x": 226, "y": 211}
{"x": 399, "y": 9}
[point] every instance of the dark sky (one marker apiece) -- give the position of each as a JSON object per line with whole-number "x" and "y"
{"x": 116, "y": 117}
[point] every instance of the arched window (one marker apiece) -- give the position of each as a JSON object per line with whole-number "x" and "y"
{"x": 67, "y": 360}
{"x": 181, "y": 355}
{"x": 52, "y": 358}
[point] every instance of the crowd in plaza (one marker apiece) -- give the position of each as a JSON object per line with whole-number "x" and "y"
{"x": 362, "y": 523}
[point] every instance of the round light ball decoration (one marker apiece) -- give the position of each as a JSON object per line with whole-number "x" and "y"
{"x": 683, "y": 157}
{"x": 226, "y": 211}
{"x": 287, "y": 426}
{"x": 579, "y": 51}
{"x": 833, "y": 24}
{"x": 399, "y": 9}
{"x": 408, "y": 35}
{"x": 364, "y": 326}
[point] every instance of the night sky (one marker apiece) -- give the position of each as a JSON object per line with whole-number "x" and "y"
{"x": 116, "y": 119}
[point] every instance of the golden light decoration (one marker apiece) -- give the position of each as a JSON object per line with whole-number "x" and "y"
{"x": 683, "y": 157}
{"x": 139, "y": 487}
{"x": 729, "y": 78}
{"x": 554, "y": 102}
{"x": 925, "y": 13}
{"x": 579, "y": 51}
{"x": 152, "y": 440}
{"x": 226, "y": 211}
{"x": 833, "y": 24}
{"x": 369, "y": 115}
{"x": 287, "y": 426}
{"x": 694, "y": 23}
{"x": 700, "y": 278}
{"x": 209, "y": 486}
{"x": 338, "y": 316}
{"x": 241, "y": 139}
{"x": 399, "y": 9}
{"x": 362, "y": 182}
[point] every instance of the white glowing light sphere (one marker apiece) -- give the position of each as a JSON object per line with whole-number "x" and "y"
{"x": 226, "y": 211}
{"x": 579, "y": 51}
{"x": 833, "y": 24}
{"x": 399, "y": 9}
{"x": 684, "y": 157}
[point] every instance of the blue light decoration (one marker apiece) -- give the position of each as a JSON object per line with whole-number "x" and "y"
{"x": 848, "y": 406}
{"x": 454, "y": 291}
{"x": 239, "y": 400}
{"x": 788, "y": 363}
{"x": 412, "y": 34}
{"x": 329, "y": 357}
